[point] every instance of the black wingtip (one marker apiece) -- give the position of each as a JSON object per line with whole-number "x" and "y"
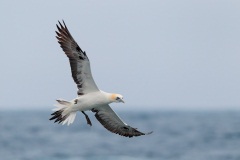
{"x": 149, "y": 133}
{"x": 64, "y": 23}
{"x": 59, "y": 23}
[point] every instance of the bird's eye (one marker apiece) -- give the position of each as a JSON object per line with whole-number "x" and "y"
{"x": 117, "y": 98}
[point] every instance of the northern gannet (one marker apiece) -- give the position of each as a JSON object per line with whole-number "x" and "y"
{"x": 89, "y": 96}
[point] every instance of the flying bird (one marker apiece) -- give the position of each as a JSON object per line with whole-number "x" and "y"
{"x": 90, "y": 97}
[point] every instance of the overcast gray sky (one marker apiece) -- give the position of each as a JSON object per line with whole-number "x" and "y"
{"x": 157, "y": 54}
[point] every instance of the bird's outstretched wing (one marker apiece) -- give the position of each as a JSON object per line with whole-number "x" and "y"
{"x": 79, "y": 62}
{"x": 109, "y": 119}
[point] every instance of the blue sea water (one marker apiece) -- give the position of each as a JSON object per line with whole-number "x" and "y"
{"x": 178, "y": 135}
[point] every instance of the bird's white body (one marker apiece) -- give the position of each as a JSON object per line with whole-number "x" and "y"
{"x": 90, "y": 101}
{"x": 94, "y": 100}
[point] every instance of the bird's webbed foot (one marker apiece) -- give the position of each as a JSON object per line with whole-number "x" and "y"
{"x": 87, "y": 118}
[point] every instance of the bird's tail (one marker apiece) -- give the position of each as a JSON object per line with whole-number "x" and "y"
{"x": 63, "y": 113}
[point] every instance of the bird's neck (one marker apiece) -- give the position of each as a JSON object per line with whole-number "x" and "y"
{"x": 109, "y": 96}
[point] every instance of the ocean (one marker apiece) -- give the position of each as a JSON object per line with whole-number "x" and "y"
{"x": 177, "y": 135}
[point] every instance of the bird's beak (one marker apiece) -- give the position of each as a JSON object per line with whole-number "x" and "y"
{"x": 122, "y": 101}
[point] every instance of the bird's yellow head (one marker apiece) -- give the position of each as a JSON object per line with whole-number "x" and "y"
{"x": 117, "y": 98}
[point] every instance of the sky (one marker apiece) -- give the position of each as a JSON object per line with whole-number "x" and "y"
{"x": 159, "y": 54}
